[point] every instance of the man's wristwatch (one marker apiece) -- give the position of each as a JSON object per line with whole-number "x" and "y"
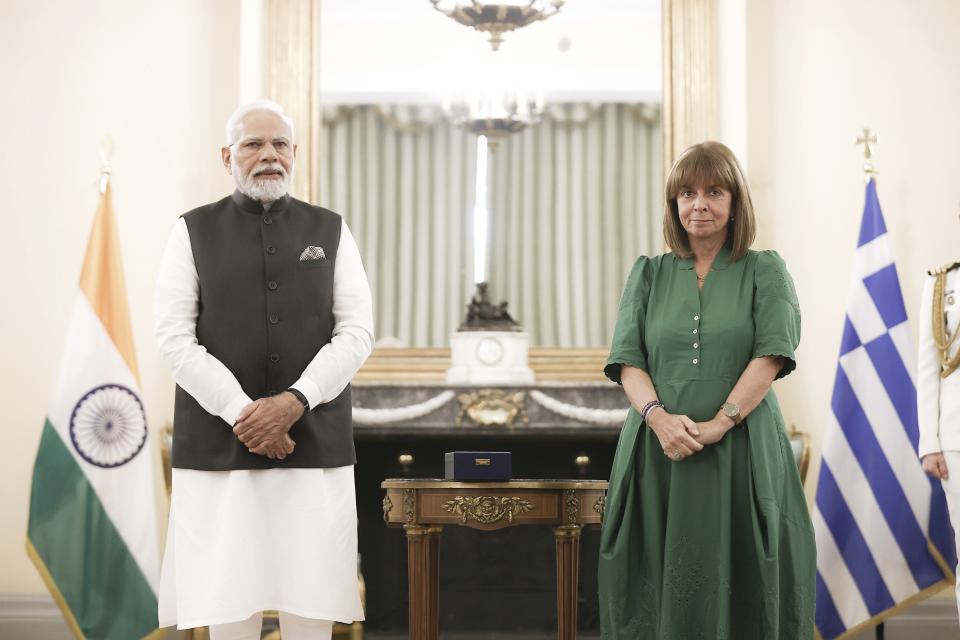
{"x": 732, "y": 411}
{"x": 302, "y": 398}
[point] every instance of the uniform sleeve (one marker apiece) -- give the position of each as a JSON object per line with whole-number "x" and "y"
{"x": 928, "y": 377}
{"x": 628, "y": 346}
{"x": 776, "y": 312}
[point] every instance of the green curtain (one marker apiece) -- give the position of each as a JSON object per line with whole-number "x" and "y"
{"x": 573, "y": 201}
{"x": 404, "y": 180}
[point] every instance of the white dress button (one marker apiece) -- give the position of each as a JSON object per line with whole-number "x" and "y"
{"x": 694, "y": 330}
{"x": 695, "y": 361}
{"x": 696, "y": 317}
{"x": 696, "y": 345}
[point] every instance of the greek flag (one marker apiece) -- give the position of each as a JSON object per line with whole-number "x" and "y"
{"x": 883, "y": 536}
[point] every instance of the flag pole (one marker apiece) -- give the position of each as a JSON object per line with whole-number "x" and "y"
{"x": 868, "y": 139}
{"x": 869, "y": 172}
{"x": 106, "y": 154}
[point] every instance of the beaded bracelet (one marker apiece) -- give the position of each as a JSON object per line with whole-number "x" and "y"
{"x": 650, "y": 406}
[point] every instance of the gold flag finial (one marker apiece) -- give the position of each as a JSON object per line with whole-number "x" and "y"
{"x": 106, "y": 153}
{"x": 867, "y": 140}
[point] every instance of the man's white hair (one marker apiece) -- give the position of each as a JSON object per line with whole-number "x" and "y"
{"x": 233, "y": 122}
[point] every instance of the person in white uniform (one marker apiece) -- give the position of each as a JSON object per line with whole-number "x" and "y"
{"x": 938, "y": 386}
{"x": 263, "y": 315}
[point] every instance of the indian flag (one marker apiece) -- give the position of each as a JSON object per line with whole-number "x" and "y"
{"x": 93, "y": 524}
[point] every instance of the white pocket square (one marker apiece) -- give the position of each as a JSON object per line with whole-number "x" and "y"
{"x": 313, "y": 253}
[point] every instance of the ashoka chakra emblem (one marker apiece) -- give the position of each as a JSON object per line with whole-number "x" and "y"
{"x": 108, "y": 426}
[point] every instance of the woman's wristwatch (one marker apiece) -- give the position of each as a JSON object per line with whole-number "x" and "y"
{"x": 732, "y": 411}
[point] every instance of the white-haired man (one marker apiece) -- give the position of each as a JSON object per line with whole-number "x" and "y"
{"x": 263, "y": 315}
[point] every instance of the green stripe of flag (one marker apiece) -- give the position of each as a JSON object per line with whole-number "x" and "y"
{"x": 84, "y": 555}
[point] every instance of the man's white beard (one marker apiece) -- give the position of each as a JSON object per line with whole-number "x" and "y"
{"x": 263, "y": 189}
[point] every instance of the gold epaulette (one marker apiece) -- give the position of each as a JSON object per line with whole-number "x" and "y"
{"x": 944, "y": 269}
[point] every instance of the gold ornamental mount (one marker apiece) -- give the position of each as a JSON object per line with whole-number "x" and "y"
{"x": 487, "y": 509}
{"x": 497, "y": 19}
{"x": 492, "y": 407}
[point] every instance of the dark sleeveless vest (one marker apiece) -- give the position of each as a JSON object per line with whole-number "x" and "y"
{"x": 264, "y": 314}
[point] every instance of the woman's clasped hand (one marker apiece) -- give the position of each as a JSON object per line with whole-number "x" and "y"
{"x": 681, "y": 437}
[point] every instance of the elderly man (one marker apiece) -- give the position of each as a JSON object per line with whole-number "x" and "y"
{"x": 263, "y": 315}
{"x": 938, "y": 386}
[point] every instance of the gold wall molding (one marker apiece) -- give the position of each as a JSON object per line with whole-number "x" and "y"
{"x": 292, "y": 78}
{"x": 549, "y": 364}
{"x": 492, "y": 407}
{"x": 689, "y": 96}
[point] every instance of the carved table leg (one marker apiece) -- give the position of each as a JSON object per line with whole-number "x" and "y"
{"x": 568, "y": 573}
{"x": 423, "y": 581}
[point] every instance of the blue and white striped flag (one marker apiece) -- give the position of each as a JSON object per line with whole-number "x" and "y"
{"x": 883, "y": 536}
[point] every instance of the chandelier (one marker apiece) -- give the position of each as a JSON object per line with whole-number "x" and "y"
{"x": 497, "y": 19}
{"x": 495, "y": 115}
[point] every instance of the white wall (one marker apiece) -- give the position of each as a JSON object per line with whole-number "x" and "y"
{"x": 817, "y": 72}
{"x": 159, "y": 78}
{"x": 404, "y": 50}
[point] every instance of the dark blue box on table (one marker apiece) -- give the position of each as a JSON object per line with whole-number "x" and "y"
{"x": 477, "y": 465}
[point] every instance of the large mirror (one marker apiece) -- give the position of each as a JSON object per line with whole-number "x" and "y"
{"x": 551, "y": 215}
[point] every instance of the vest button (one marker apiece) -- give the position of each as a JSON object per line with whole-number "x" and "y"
{"x": 267, "y": 220}
{"x": 274, "y": 357}
{"x": 271, "y": 249}
{"x": 274, "y": 318}
{"x": 272, "y": 285}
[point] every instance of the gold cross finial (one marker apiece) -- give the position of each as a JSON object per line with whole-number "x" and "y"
{"x": 868, "y": 139}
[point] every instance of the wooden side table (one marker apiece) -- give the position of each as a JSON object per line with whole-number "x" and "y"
{"x": 423, "y": 507}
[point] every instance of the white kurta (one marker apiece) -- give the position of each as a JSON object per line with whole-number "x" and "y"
{"x": 244, "y": 541}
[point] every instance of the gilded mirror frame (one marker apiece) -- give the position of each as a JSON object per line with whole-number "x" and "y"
{"x": 291, "y": 46}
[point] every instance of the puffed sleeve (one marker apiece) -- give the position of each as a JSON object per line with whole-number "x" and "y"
{"x": 776, "y": 311}
{"x": 628, "y": 346}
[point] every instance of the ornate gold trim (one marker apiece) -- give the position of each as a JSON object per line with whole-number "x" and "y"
{"x": 409, "y": 506}
{"x": 492, "y": 407}
{"x": 387, "y": 508}
{"x": 941, "y": 337}
{"x": 572, "y": 501}
{"x": 892, "y": 611}
{"x": 804, "y": 463}
{"x": 601, "y": 505}
{"x": 425, "y": 483}
{"x": 487, "y": 509}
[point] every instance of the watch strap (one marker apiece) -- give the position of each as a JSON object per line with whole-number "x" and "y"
{"x": 302, "y": 398}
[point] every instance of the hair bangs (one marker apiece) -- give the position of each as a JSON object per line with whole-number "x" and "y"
{"x": 701, "y": 166}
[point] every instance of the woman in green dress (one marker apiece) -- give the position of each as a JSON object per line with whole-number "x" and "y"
{"x": 706, "y": 533}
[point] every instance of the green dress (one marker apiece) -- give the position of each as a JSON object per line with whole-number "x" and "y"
{"x": 720, "y": 545}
